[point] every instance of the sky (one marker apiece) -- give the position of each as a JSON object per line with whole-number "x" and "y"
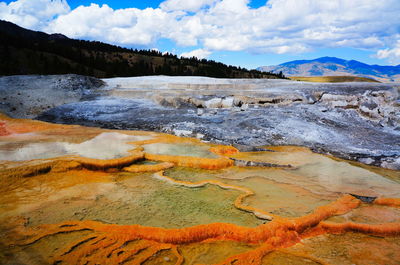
{"x": 247, "y": 33}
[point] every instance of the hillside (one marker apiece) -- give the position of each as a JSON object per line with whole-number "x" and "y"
{"x": 332, "y": 66}
{"x": 333, "y": 79}
{"x": 24, "y": 51}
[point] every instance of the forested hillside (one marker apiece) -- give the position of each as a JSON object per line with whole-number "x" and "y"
{"x": 24, "y": 51}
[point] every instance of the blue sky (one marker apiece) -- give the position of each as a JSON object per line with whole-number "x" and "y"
{"x": 117, "y": 4}
{"x": 238, "y": 32}
{"x": 138, "y": 3}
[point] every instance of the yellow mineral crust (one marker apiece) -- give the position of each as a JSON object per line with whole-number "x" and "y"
{"x": 148, "y": 168}
{"x": 224, "y": 150}
{"x": 25, "y": 125}
{"x": 68, "y": 163}
{"x": 100, "y": 164}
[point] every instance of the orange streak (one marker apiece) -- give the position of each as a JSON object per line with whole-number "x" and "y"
{"x": 389, "y": 229}
{"x": 148, "y": 168}
{"x": 194, "y": 162}
{"x": 3, "y": 129}
{"x": 394, "y": 202}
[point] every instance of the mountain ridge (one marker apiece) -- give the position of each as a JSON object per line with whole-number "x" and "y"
{"x": 333, "y": 66}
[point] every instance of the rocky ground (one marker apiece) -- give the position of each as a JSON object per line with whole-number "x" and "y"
{"x": 29, "y": 96}
{"x": 357, "y": 121}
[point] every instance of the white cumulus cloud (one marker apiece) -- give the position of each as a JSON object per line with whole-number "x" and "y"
{"x": 186, "y": 5}
{"x": 391, "y": 54}
{"x": 122, "y": 26}
{"x": 199, "y": 53}
{"x": 34, "y": 14}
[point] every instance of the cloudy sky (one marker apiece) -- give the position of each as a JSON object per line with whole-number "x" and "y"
{"x": 248, "y": 33}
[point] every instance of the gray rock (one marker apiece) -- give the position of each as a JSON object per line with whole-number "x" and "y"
{"x": 200, "y": 111}
{"x": 29, "y": 96}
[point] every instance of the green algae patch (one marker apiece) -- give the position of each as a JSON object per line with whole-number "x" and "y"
{"x": 281, "y": 199}
{"x": 183, "y": 207}
{"x": 192, "y": 174}
{"x": 142, "y": 199}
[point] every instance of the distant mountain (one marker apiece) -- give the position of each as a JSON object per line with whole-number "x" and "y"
{"x": 332, "y": 66}
{"x": 25, "y": 51}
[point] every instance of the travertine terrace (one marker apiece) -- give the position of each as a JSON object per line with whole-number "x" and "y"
{"x": 356, "y": 121}
{"x": 153, "y": 198}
